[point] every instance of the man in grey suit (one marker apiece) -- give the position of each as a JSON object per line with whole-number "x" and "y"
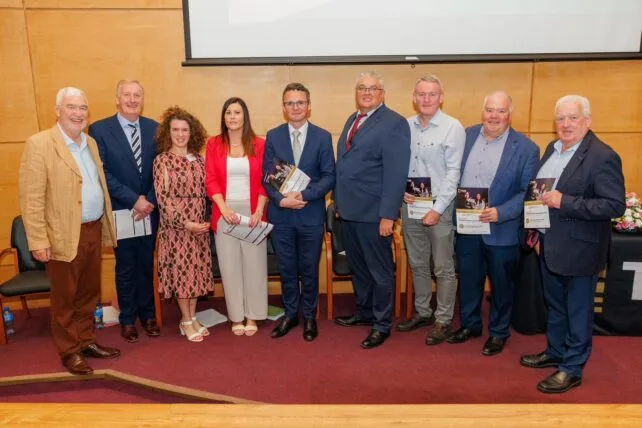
{"x": 373, "y": 155}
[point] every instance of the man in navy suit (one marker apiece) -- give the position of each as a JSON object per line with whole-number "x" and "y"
{"x": 587, "y": 193}
{"x": 503, "y": 160}
{"x": 127, "y": 149}
{"x": 298, "y": 217}
{"x": 373, "y": 155}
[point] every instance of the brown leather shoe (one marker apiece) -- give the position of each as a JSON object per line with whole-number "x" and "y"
{"x": 439, "y": 334}
{"x": 94, "y": 350}
{"x": 77, "y": 365}
{"x": 129, "y": 333}
{"x": 151, "y": 328}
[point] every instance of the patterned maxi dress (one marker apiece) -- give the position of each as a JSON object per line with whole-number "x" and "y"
{"x": 184, "y": 258}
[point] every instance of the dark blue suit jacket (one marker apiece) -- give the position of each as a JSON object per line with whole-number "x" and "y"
{"x": 516, "y": 169}
{"x": 124, "y": 182}
{"x": 592, "y": 186}
{"x": 372, "y": 175}
{"x": 317, "y": 161}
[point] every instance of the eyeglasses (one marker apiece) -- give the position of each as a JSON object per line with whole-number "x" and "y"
{"x": 366, "y": 89}
{"x": 427, "y": 94}
{"x": 292, "y": 104}
{"x": 500, "y": 111}
{"x": 571, "y": 118}
{"x": 75, "y": 107}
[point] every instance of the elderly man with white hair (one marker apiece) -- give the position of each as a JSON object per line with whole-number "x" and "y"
{"x": 587, "y": 193}
{"x": 67, "y": 216}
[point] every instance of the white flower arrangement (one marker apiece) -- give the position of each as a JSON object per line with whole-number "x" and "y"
{"x": 631, "y": 221}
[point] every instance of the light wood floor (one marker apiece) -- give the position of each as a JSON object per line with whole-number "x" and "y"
{"x": 349, "y": 416}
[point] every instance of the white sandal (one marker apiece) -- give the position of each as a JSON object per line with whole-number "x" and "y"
{"x": 238, "y": 329}
{"x": 194, "y": 337}
{"x": 203, "y": 331}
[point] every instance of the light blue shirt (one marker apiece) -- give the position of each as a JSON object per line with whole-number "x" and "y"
{"x": 93, "y": 200}
{"x": 124, "y": 123}
{"x": 436, "y": 152}
{"x": 483, "y": 160}
{"x": 555, "y": 164}
{"x": 303, "y": 133}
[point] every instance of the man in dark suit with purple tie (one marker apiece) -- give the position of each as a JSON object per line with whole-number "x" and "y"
{"x": 298, "y": 217}
{"x": 373, "y": 155}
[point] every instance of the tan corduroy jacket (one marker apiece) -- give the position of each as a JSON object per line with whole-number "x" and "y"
{"x": 50, "y": 188}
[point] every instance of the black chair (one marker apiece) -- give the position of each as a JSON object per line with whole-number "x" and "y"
{"x": 30, "y": 277}
{"x": 337, "y": 267}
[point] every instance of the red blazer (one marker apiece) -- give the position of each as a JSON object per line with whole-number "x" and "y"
{"x": 216, "y": 174}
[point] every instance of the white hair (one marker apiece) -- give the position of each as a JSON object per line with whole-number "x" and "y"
{"x": 69, "y": 91}
{"x": 371, "y": 74}
{"x": 503, "y": 93}
{"x": 430, "y": 78}
{"x": 576, "y": 99}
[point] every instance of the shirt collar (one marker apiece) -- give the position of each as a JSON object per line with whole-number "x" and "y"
{"x": 436, "y": 120}
{"x": 124, "y": 123}
{"x": 558, "y": 147}
{"x": 70, "y": 142}
{"x": 303, "y": 129}
{"x": 371, "y": 111}
{"x": 500, "y": 138}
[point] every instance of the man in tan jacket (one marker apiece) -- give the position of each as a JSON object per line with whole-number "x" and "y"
{"x": 67, "y": 216}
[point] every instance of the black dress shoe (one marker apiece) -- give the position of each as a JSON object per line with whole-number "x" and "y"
{"x": 439, "y": 334}
{"x": 94, "y": 350}
{"x": 415, "y": 322}
{"x": 77, "y": 365}
{"x": 493, "y": 346}
{"x": 374, "y": 339}
{"x": 129, "y": 333}
{"x": 351, "y": 320}
{"x": 310, "y": 331}
{"x": 462, "y": 335}
{"x": 559, "y": 382}
{"x": 285, "y": 325}
{"x": 151, "y": 328}
{"x": 539, "y": 361}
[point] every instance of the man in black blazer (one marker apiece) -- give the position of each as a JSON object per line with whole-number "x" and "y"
{"x": 373, "y": 155}
{"x": 298, "y": 217}
{"x": 127, "y": 149}
{"x": 588, "y": 192}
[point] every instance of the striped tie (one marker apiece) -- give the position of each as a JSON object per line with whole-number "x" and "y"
{"x": 136, "y": 147}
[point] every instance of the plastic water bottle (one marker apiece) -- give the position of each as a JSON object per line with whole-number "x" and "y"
{"x": 8, "y": 321}
{"x": 98, "y": 316}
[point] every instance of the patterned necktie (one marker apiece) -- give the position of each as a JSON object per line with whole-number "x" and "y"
{"x": 354, "y": 130}
{"x": 296, "y": 146}
{"x": 136, "y": 147}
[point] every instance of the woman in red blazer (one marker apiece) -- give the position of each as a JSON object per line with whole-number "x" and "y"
{"x": 233, "y": 171}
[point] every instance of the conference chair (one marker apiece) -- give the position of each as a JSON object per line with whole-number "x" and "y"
{"x": 30, "y": 278}
{"x": 337, "y": 267}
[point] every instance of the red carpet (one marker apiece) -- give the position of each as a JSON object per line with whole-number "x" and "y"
{"x": 333, "y": 369}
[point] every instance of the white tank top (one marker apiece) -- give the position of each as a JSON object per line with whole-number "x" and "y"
{"x": 238, "y": 179}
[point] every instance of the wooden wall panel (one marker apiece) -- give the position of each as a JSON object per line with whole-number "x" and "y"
{"x": 18, "y": 108}
{"x": 102, "y": 4}
{"x": 613, "y": 87}
{"x": 16, "y": 4}
{"x": 10, "y": 154}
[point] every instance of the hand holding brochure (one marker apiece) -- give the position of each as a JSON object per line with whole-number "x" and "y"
{"x": 469, "y": 204}
{"x": 536, "y": 215}
{"x": 286, "y": 177}
{"x": 419, "y": 187}
{"x": 244, "y": 232}
{"x": 127, "y": 227}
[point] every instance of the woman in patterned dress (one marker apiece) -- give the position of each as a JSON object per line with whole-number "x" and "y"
{"x": 184, "y": 257}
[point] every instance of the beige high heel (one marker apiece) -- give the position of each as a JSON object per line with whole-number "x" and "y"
{"x": 194, "y": 337}
{"x": 203, "y": 331}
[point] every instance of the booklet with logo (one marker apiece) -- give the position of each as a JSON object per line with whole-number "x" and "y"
{"x": 469, "y": 203}
{"x": 536, "y": 215}
{"x": 244, "y": 232}
{"x": 419, "y": 187}
{"x": 127, "y": 227}
{"x": 285, "y": 177}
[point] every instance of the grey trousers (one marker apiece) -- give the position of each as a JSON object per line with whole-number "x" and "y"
{"x": 424, "y": 243}
{"x": 243, "y": 271}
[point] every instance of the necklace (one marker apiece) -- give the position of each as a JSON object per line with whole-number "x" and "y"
{"x": 235, "y": 144}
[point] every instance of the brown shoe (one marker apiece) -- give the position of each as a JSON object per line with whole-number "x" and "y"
{"x": 151, "y": 328}
{"x": 94, "y": 350}
{"x": 129, "y": 333}
{"x": 439, "y": 334}
{"x": 77, "y": 365}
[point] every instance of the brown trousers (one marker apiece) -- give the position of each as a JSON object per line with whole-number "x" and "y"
{"x": 75, "y": 289}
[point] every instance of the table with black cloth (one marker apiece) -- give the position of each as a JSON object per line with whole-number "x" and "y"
{"x": 617, "y": 310}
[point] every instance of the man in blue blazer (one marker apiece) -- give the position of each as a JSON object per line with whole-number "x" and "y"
{"x": 127, "y": 149}
{"x": 587, "y": 193}
{"x": 373, "y": 155}
{"x": 298, "y": 217}
{"x": 503, "y": 160}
